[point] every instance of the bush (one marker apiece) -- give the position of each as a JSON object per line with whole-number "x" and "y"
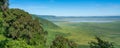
{"x": 100, "y": 44}
{"x": 8, "y": 43}
{"x": 61, "y": 42}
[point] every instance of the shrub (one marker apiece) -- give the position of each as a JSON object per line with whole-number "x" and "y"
{"x": 61, "y": 42}
{"x": 100, "y": 44}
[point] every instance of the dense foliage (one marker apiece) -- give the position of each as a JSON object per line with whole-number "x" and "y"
{"x": 19, "y": 29}
{"x": 18, "y": 24}
{"x": 4, "y": 5}
{"x": 1, "y": 23}
{"x": 61, "y": 42}
{"x": 100, "y": 44}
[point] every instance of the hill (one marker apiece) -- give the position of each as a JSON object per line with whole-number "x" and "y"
{"x": 55, "y": 19}
{"x": 17, "y": 27}
{"x": 46, "y": 23}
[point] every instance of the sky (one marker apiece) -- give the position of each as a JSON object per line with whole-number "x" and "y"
{"x": 69, "y": 7}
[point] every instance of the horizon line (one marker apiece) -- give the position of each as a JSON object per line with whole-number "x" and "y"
{"x": 77, "y": 16}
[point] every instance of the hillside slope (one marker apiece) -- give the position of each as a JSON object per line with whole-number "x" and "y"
{"x": 46, "y": 23}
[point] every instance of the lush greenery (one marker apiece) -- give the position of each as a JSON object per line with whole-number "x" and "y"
{"x": 84, "y": 32}
{"x": 61, "y": 42}
{"x": 19, "y": 25}
{"x": 46, "y": 23}
{"x": 4, "y": 5}
{"x": 100, "y": 44}
{"x": 19, "y": 29}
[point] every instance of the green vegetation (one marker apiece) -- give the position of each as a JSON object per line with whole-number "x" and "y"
{"x": 19, "y": 29}
{"x": 19, "y": 26}
{"x": 61, "y": 42}
{"x": 46, "y": 23}
{"x": 100, "y": 44}
{"x": 84, "y": 32}
{"x": 4, "y": 5}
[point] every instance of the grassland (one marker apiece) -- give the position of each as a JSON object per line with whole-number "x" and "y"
{"x": 84, "y": 32}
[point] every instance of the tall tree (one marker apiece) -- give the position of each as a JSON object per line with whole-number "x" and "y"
{"x": 4, "y": 5}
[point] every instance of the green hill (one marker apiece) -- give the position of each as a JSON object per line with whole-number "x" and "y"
{"x": 19, "y": 29}
{"x": 46, "y": 23}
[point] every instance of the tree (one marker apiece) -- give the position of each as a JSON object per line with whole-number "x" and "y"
{"x": 100, "y": 44}
{"x": 9, "y": 43}
{"x": 61, "y": 42}
{"x": 3, "y": 43}
{"x": 19, "y": 24}
{"x": 4, "y": 5}
{"x": 1, "y": 23}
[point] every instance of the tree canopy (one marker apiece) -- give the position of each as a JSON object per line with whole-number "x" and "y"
{"x": 61, "y": 42}
{"x": 4, "y": 4}
{"x": 100, "y": 44}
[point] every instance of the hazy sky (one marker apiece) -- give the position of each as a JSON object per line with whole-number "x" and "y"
{"x": 69, "y": 7}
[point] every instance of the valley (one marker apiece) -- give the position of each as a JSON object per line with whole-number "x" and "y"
{"x": 85, "y": 29}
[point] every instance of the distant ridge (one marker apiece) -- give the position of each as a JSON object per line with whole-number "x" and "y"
{"x": 45, "y": 16}
{"x": 90, "y": 16}
{"x": 53, "y": 16}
